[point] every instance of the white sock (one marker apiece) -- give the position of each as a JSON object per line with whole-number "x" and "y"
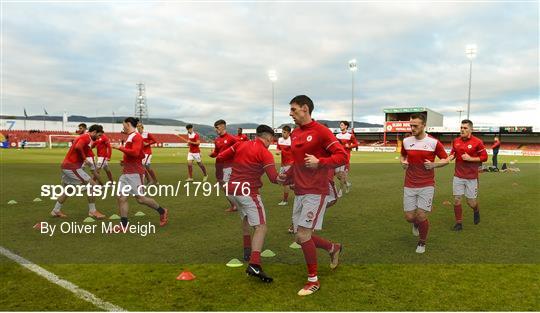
{"x": 313, "y": 279}
{"x": 57, "y": 207}
{"x": 91, "y": 207}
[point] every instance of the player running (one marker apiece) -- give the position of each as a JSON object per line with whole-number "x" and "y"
{"x": 284, "y": 149}
{"x": 349, "y": 142}
{"x": 250, "y": 160}
{"x": 418, "y": 159}
{"x": 90, "y": 161}
{"x": 73, "y": 173}
{"x": 133, "y": 174}
{"x": 194, "y": 153}
{"x": 469, "y": 153}
{"x": 104, "y": 152}
{"x": 148, "y": 141}
{"x": 223, "y": 169}
{"x": 315, "y": 152}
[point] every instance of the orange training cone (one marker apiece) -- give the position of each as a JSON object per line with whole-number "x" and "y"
{"x": 186, "y": 275}
{"x": 37, "y": 226}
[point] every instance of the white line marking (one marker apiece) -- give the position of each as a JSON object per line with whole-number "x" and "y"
{"x": 53, "y": 278}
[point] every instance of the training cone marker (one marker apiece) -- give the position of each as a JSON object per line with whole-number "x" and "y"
{"x": 268, "y": 254}
{"x": 37, "y": 200}
{"x": 294, "y": 245}
{"x": 140, "y": 214}
{"x": 186, "y": 275}
{"x": 12, "y": 202}
{"x": 446, "y": 202}
{"x": 515, "y": 184}
{"x": 37, "y": 226}
{"x": 234, "y": 263}
{"x": 114, "y": 217}
{"x": 89, "y": 220}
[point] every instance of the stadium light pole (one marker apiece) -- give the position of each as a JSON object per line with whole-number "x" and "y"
{"x": 470, "y": 52}
{"x": 352, "y": 68}
{"x": 460, "y": 111}
{"x": 272, "y": 75}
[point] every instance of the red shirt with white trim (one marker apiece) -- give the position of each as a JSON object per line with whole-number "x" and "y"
{"x": 284, "y": 146}
{"x": 221, "y": 143}
{"x": 150, "y": 140}
{"x": 317, "y": 140}
{"x": 194, "y": 148}
{"x": 133, "y": 154}
{"x": 250, "y": 160}
{"x": 80, "y": 149}
{"x": 417, "y": 152}
{"x": 474, "y": 147}
{"x": 348, "y": 141}
{"x": 103, "y": 147}
{"x": 242, "y": 137}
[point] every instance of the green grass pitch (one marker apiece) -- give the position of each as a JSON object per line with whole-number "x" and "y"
{"x": 491, "y": 266}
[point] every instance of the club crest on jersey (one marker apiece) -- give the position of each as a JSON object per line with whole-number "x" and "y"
{"x": 309, "y": 138}
{"x": 469, "y": 146}
{"x": 225, "y": 141}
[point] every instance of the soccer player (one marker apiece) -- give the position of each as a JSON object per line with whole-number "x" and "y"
{"x": 133, "y": 174}
{"x": 315, "y": 152}
{"x": 349, "y": 142}
{"x": 240, "y": 136}
{"x": 194, "y": 153}
{"x": 469, "y": 153}
{"x": 284, "y": 149}
{"x": 148, "y": 141}
{"x": 90, "y": 161}
{"x": 223, "y": 169}
{"x": 418, "y": 159}
{"x": 495, "y": 147}
{"x": 81, "y": 129}
{"x": 73, "y": 173}
{"x": 250, "y": 160}
{"x": 104, "y": 152}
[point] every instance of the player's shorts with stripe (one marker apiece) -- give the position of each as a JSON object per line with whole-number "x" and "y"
{"x": 227, "y": 171}
{"x": 250, "y": 207}
{"x": 467, "y": 187}
{"x": 90, "y": 163}
{"x": 102, "y": 163}
{"x": 147, "y": 160}
{"x": 332, "y": 192}
{"x": 421, "y": 198}
{"x": 75, "y": 177}
{"x": 343, "y": 168}
{"x": 194, "y": 157}
{"x": 134, "y": 181}
{"x": 284, "y": 168}
{"x": 308, "y": 211}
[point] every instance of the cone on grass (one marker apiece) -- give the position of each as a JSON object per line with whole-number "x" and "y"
{"x": 140, "y": 214}
{"x": 37, "y": 200}
{"x": 89, "y": 220}
{"x": 268, "y": 254}
{"x": 186, "y": 275}
{"x": 37, "y": 226}
{"x": 234, "y": 263}
{"x": 12, "y": 202}
{"x": 446, "y": 202}
{"x": 114, "y": 217}
{"x": 294, "y": 245}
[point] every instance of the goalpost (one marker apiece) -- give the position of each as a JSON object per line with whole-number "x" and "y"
{"x": 61, "y": 141}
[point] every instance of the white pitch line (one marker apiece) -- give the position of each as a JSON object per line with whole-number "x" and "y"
{"x": 53, "y": 278}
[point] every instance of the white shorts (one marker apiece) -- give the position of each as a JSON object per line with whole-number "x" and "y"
{"x": 467, "y": 187}
{"x": 332, "y": 193}
{"x": 421, "y": 198}
{"x": 227, "y": 174}
{"x": 90, "y": 162}
{"x": 75, "y": 177}
{"x": 102, "y": 163}
{"x": 134, "y": 181}
{"x": 147, "y": 159}
{"x": 308, "y": 211}
{"x": 194, "y": 157}
{"x": 250, "y": 207}
{"x": 342, "y": 168}
{"x": 284, "y": 168}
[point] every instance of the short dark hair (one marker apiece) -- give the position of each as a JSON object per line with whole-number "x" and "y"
{"x": 346, "y": 123}
{"x": 420, "y": 116}
{"x": 132, "y": 120}
{"x": 83, "y": 125}
{"x": 220, "y": 122}
{"x": 240, "y": 129}
{"x": 467, "y": 121}
{"x": 302, "y": 100}
{"x": 286, "y": 128}
{"x": 264, "y": 129}
{"x": 97, "y": 128}
{"x": 189, "y": 126}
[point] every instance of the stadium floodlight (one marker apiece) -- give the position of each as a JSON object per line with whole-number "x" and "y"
{"x": 272, "y": 75}
{"x": 352, "y": 68}
{"x": 470, "y": 52}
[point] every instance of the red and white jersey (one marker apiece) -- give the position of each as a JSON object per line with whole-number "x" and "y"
{"x": 348, "y": 141}
{"x": 474, "y": 147}
{"x": 242, "y": 137}
{"x": 317, "y": 140}
{"x": 417, "y": 152}
{"x": 250, "y": 160}
{"x": 103, "y": 147}
{"x": 150, "y": 140}
{"x": 221, "y": 143}
{"x": 133, "y": 154}
{"x": 284, "y": 146}
{"x": 80, "y": 149}
{"x": 194, "y": 148}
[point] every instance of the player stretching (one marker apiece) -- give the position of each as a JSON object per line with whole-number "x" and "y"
{"x": 133, "y": 174}
{"x": 148, "y": 141}
{"x": 315, "y": 152}
{"x": 284, "y": 149}
{"x": 73, "y": 173}
{"x": 349, "y": 142}
{"x": 223, "y": 168}
{"x": 104, "y": 152}
{"x": 194, "y": 153}
{"x": 250, "y": 160}
{"x": 469, "y": 153}
{"x": 418, "y": 158}
{"x": 90, "y": 161}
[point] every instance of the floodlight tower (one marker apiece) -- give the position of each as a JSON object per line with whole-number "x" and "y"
{"x": 141, "y": 108}
{"x": 272, "y": 75}
{"x": 352, "y": 68}
{"x": 470, "y": 52}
